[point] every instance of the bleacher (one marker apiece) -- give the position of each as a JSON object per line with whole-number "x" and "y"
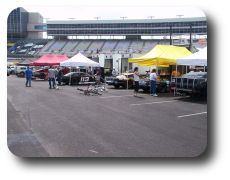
{"x": 26, "y": 48}
{"x": 69, "y": 47}
{"x": 109, "y": 46}
{"x": 122, "y": 46}
{"x": 96, "y": 46}
{"x": 136, "y": 46}
{"x": 35, "y": 48}
{"x": 57, "y": 46}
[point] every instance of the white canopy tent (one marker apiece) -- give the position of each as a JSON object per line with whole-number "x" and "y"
{"x": 79, "y": 60}
{"x": 197, "y": 59}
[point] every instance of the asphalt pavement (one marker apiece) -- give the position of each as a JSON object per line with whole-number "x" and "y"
{"x": 45, "y": 122}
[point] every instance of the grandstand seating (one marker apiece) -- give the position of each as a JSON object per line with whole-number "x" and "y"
{"x": 47, "y": 47}
{"x": 148, "y": 45}
{"x": 34, "y": 48}
{"x": 24, "y": 48}
{"x": 69, "y": 46}
{"x": 82, "y": 46}
{"x": 136, "y": 46}
{"x": 122, "y": 46}
{"x": 96, "y": 46}
{"x": 109, "y": 46}
{"x": 57, "y": 46}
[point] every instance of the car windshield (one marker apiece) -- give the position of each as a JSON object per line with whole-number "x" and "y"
{"x": 75, "y": 73}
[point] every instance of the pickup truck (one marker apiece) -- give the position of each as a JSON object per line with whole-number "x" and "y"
{"x": 20, "y": 71}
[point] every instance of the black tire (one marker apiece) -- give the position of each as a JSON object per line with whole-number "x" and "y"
{"x": 22, "y": 74}
{"x": 116, "y": 86}
{"x": 42, "y": 76}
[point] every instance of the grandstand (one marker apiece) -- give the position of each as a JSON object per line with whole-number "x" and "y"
{"x": 109, "y": 42}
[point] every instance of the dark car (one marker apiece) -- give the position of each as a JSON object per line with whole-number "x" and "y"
{"x": 77, "y": 78}
{"x": 121, "y": 81}
{"x": 8, "y": 72}
{"x": 161, "y": 86}
{"x": 41, "y": 73}
{"x": 192, "y": 83}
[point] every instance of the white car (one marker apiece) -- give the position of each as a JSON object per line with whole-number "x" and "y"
{"x": 20, "y": 71}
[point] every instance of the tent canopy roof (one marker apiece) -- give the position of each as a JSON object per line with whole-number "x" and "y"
{"x": 49, "y": 60}
{"x": 197, "y": 59}
{"x": 79, "y": 60}
{"x": 161, "y": 55}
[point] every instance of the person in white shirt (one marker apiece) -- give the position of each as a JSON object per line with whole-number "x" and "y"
{"x": 136, "y": 80}
{"x": 52, "y": 75}
{"x": 114, "y": 72}
{"x": 153, "y": 80}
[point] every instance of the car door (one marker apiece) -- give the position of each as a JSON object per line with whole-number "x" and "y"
{"x": 84, "y": 78}
{"x": 75, "y": 78}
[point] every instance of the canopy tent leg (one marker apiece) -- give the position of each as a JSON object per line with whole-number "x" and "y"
{"x": 70, "y": 77}
{"x": 127, "y": 76}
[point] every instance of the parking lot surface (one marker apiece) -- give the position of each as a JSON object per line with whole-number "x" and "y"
{"x": 66, "y": 123}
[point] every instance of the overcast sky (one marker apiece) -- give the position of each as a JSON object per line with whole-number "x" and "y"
{"x": 109, "y": 12}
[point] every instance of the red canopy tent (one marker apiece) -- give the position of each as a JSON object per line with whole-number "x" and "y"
{"x": 49, "y": 60}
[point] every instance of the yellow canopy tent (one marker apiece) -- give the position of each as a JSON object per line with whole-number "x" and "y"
{"x": 161, "y": 55}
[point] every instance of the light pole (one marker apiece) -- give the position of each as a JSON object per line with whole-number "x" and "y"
{"x": 179, "y": 15}
{"x": 151, "y": 17}
{"x": 97, "y": 17}
{"x": 123, "y": 17}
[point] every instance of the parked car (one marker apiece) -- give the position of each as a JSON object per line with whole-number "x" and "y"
{"x": 20, "y": 71}
{"x": 192, "y": 83}
{"x": 161, "y": 86}
{"x": 8, "y": 71}
{"x": 11, "y": 69}
{"x": 41, "y": 73}
{"x": 77, "y": 78}
{"x": 121, "y": 81}
{"x": 110, "y": 80}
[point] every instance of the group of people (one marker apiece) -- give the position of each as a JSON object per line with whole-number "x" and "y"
{"x": 53, "y": 76}
{"x": 152, "y": 78}
{"x": 56, "y": 74}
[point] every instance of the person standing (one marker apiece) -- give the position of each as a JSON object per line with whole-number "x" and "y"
{"x": 153, "y": 80}
{"x": 28, "y": 74}
{"x": 98, "y": 77}
{"x": 89, "y": 71}
{"x": 59, "y": 75}
{"x": 114, "y": 72}
{"x": 136, "y": 77}
{"x": 51, "y": 77}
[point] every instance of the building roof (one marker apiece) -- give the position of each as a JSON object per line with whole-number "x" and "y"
{"x": 128, "y": 21}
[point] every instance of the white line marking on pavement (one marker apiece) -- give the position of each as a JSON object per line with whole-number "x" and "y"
{"x": 158, "y": 102}
{"x": 115, "y": 96}
{"x": 192, "y": 114}
{"x": 93, "y": 151}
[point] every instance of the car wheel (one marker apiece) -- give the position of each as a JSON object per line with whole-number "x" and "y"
{"x": 116, "y": 86}
{"x": 22, "y": 74}
{"x": 42, "y": 76}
